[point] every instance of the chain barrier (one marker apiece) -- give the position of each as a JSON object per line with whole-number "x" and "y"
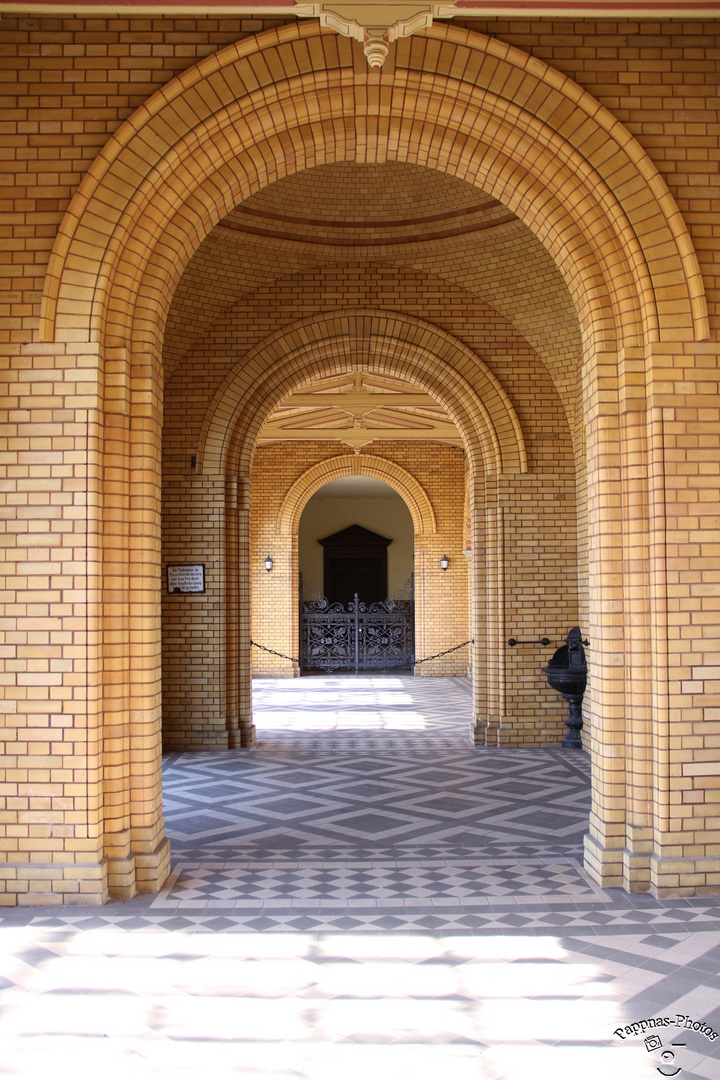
{"x": 470, "y": 641}
{"x": 282, "y": 656}
{"x": 436, "y": 656}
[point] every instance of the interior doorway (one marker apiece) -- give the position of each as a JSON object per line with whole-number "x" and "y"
{"x": 356, "y": 535}
{"x": 355, "y": 564}
{"x": 360, "y": 617}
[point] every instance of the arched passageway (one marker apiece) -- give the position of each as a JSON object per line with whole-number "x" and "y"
{"x": 574, "y": 196}
{"x": 354, "y": 537}
{"x": 488, "y": 449}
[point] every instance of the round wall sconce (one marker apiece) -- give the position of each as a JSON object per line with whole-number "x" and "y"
{"x": 268, "y": 564}
{"x": 444, "y": 562}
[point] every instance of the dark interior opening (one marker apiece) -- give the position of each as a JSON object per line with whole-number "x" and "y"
{"x": 355, "y": 561}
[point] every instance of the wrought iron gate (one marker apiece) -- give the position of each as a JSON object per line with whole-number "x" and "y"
{"x": 359, "y": 637}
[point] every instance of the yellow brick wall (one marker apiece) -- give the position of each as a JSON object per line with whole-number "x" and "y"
{"x": 659, "y": 79}
{"x": 539, "y": 588}
{"x": 80, "y": 437}
{"x": 441, "y": 598}
{"x": 193, "y": 640}
{"x": 52, "y": 744}
{"x": 68, "y": 83}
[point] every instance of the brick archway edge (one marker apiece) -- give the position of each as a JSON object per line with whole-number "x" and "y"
{"x": 396, "y": 477}
{"x": 356, "y": 340}
{"x": 291, "y": 98}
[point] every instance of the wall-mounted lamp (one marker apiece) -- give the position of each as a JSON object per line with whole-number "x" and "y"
{"x": 268, "y": 564}
{"x": 444, "y": 562}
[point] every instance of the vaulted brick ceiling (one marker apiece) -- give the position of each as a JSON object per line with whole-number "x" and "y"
{"x": 351, "y": 216}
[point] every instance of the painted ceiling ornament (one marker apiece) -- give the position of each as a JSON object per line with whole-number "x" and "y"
{"x": 376, "y": 46}
{"x": 377, "y": 25}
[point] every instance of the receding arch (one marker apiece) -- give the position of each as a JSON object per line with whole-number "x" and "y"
{"x": 412, "y": 493}
{"x": 503, "y": 121}
{"x": 362, "y": 340}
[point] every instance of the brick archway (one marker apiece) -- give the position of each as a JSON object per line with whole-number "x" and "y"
{"x": 369, "y": 340}
{"x": 287, "y": 525}
{"x": 378, "y": 342}
{"x": 379, "y": 468}
{"x": 467, "y": 105}
{"x": 228, "y": 127}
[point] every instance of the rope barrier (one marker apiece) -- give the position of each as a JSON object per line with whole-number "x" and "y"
{"x": 470, "y": 641}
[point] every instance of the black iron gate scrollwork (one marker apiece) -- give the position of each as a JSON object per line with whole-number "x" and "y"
{"x": 359, "y": 637}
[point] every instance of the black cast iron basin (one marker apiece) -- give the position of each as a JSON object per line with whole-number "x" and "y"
{"x": 567, "y": 680}
{"x": 567, "y": 675}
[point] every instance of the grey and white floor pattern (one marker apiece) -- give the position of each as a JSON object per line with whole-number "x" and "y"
{"x": 365, "y": 805}
{"x": 367, "y": 892}
{"x": 365, "y": 799}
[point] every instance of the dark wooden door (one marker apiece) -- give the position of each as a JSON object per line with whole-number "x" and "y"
{"x": 347, "y": 575}
{"x": 355, "y": 562}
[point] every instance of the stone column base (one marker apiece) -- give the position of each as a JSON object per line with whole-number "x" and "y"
{"x": 636, "y": 858}
{"x": 663, "y": 876}
{"x": 241, "y": 733}
{"x": 121, "y": 878}
{"x": 152, "y": 868}
{"x": 507, "y": 732}
{"x": 694, "y": 876}
{"x": 247, "y": 733}
{"x": 604, "y": 865}
{"x": 139, "y": 872}
{"x": 486, "y": 732}
{"x": 45, "y": 884}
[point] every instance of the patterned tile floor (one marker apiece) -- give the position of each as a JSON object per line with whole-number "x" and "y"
{"x": 366, "y": 891}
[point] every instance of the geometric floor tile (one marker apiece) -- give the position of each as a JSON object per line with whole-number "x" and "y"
{"x": 365, "y": 892}
{"x": 366, "y": 795}
{"x": 298, "y": 787}
{"x": 375, "y": 884}
{"x": 365, "y": 806}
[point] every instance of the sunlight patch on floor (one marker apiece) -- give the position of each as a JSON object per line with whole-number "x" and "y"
{"x": 304, "y": 1005}
{"x": 335, "y": 698}
{"x": 292, "y": 720}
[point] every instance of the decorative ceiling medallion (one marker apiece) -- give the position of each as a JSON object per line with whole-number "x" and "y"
{"x": 358, "y": 409}
{"x": 358, "y": 21}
